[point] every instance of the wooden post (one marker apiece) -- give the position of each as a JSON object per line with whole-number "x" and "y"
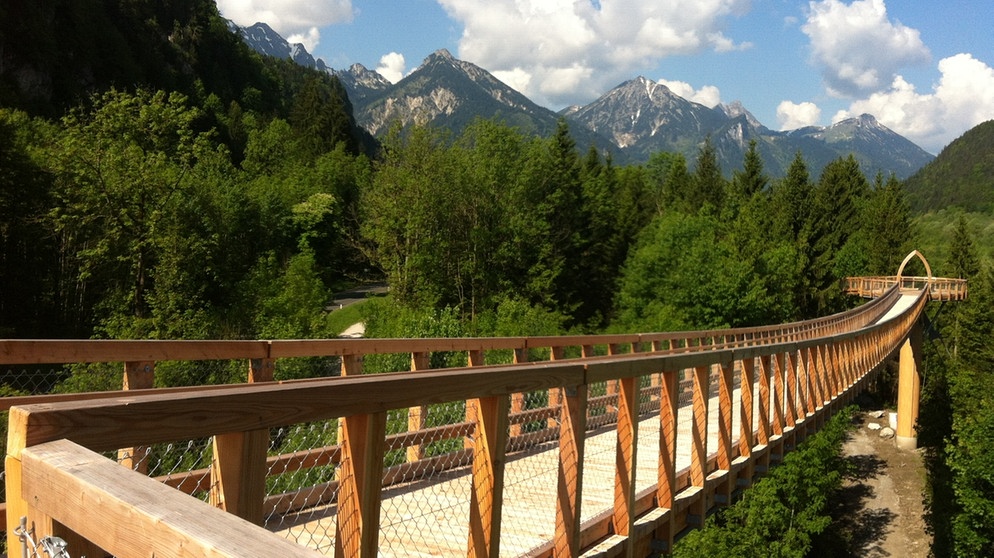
{"x": 572, "y": 436}
{"x": 699, "y": 430}
{"x": 238, "y": 469}
{"x": 518, "y": 399}
{"x": 359, "y": 489}
{"x": 625, "y": 458}
{"x": 796, "y": 366}
{"x": 746, "y": 437}
{"x": 137, "y": 375}
{"x": 669, "y": 402}
{"x": 779, "y": 365}
{"x": 416, "y": 415}
{"x": 763, "y": 430}
{"x": 554, "y": 394}
{"x": 724, "y": 454}
{"x": 475, "y": 358}
{"x": 486, "y": 499}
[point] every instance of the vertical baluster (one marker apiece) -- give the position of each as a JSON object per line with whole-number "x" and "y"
{"x": 572, "y": 435}
{"x": 137, "y": 375}
{"x": 238, "y": 469}
{"x": 486, "y": 498}
{"x": 416, "y": 415}
{"x": 625, "y": 458}
{"x": 360, "y": 485}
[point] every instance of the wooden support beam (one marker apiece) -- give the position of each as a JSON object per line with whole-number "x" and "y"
{"x": 908, "y": 390}
{"x": 625, "y": 458}
{"x": 359, "y": 489}
{"x": 486, "y": 498}
{"x": 572, "y": 436}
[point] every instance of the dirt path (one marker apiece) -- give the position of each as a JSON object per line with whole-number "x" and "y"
{"x": 882, "y": 507}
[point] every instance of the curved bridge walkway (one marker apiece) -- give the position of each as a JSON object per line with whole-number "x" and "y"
{"x": 615, "y": 445}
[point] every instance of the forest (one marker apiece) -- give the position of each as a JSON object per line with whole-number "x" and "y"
{"x": 234, "y": 207}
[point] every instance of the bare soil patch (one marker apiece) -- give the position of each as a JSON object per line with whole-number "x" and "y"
{"x": 881, "y": 510}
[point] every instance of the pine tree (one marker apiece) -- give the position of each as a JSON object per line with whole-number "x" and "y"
{"x": 709, "y": 189}
{"x": 963, "y": 261}
{"x": 887, "y": 227}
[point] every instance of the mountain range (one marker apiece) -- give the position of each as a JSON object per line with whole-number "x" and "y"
{"x": 632, "y": 121}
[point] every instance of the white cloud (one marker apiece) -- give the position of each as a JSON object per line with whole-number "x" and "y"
{"x": 310, "y": 39}
{"x": 708, "y": 95}
{"x": 857, "y": 47}
{"x": 296, "y": 19}
{"x": 576, "y": 50}
{"x": 792, "y": 116}
{"x": 392, "y": 67}
{"x": 963, "y": 98}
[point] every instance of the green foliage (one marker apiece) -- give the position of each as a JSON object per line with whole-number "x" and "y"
{"x": 938, "y": 229}
{"x": 887, "y": 227}
{"x": 959, "y": 177}
{"x": 785, "y": 511}
{"x": 684, "y": 275}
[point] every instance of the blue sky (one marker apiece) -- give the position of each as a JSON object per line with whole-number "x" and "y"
{"x": 923, "y": 68}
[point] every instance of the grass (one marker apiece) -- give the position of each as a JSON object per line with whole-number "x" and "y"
{"x": 340, "y": 320}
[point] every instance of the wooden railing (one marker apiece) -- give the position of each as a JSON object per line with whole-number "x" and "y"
{"x": 940, "y": 288}
{"x": 804, "y": 371}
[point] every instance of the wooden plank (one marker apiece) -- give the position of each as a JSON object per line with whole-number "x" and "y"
{"x": 36, "y": 351}
{"x": 486, "y": 498}
{"x": 626, "y": 456}
{"x": 572, "y": 436}
{"x": 359, "y": 489}
{"x": 138, "y": 516}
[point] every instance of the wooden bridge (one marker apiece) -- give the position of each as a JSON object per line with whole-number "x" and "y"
{"x": 611, "y": 445}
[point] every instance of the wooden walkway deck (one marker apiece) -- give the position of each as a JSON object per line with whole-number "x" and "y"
{"x": 430, "y": 517}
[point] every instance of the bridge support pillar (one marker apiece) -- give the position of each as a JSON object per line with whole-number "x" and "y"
{"x": 909, "y": 390}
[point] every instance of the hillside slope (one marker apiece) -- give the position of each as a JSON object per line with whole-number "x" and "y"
{"x": 961, "y": 176}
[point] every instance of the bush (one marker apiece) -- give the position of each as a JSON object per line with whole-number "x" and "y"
{"x": 783, "y": 512}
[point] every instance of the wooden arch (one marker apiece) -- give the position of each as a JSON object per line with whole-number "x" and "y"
{"x": 907, "y": 259}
